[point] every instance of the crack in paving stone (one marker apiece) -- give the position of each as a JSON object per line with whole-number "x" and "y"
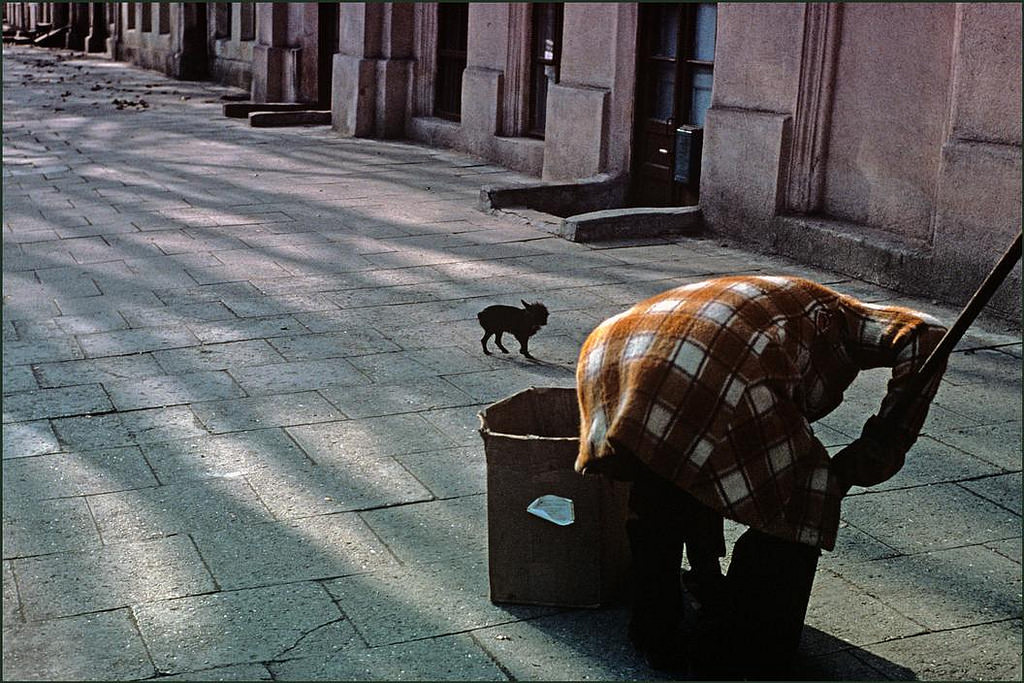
{"x": 281, "y": 656}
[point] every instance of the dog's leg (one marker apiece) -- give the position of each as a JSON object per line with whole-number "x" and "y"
{"x": 497, "y": 340}
{"x": 523, "y": 343}
{"x": 483, "y": 341}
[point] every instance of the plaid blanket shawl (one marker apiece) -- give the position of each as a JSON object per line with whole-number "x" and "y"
{"x": 713, "y": 386}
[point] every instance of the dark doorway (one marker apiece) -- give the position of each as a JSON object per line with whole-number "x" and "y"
{"x": 195, "y": 62}
{"x": 675, "y": 60}
{"x": 327, "y": 46}
{"x": 452, "y": 34}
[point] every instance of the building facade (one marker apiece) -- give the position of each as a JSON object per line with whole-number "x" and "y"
{"x": 882, "y": 140}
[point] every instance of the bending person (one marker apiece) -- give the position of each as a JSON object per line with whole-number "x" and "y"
{"x": 703, "y": 397}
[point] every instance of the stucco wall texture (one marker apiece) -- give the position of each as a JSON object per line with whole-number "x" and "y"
{"x": 920, "y": 156}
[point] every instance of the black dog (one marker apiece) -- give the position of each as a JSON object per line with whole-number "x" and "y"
{"x": 523, "y": 323}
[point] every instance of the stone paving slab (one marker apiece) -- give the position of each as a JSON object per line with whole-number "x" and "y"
{"x": 286, "y": 478}
{"x": 237, "y": 672}
{"x": 245, "y": 626}
{"x": 1004, "y": 490}
{"x": 575, "y": 645}
{"x": 128, "y": 428}
{"x": 35, "y": 351}
{"x": 985, "y": 652}
{"x": 219, "y": 356}
{"x": 944, "y": 589}
{"x": 320, "y": 547}
{"x": 340, "y": 344}
{"x": 434, "y": 531}
{"x": 370, "y": 437}
{"x": 102, "y": 646}
{"x": 19, "y": 378}
{"x": 240, "y": 414}
{"x": 461, "y": 425}
{"x": 111, "y": 577}
{"x": 11, "y": 604}
{"x": 221, "y": 455}
{"x": 65, "y": 475}
{"x": 987, "y": 442}
{"x": 342, "y": 482}
{"x": 37, "y": 527}
{"x": 123, "y": 342}
{"x": 101, "y": 370}
{"x": 377, "y": 400}
{"x": 449, "y": 473}
{"x": 929, "y": 518}
{"x": 851, "y": 616}
{"x": 25, "y": 439}
{"x": 447, "y": 658}
{"x": 249, "y": 328}
{"x": 280, "y": 378}
{"x": 399, "y": 605}
{"x": 176, "y": 508}
{"x": 156, "y": 391}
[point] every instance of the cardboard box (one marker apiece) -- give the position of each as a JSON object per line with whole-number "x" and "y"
{"x": 531, "y": 441}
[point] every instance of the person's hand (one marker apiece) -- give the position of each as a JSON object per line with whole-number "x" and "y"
{"x": 845, "y": 464}
{"x": 871, "y": 459}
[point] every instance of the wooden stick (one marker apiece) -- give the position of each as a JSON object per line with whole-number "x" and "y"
{"x": 953, "y": 335}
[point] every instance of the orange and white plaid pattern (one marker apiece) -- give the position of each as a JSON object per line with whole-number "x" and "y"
{"x": 713, "y": 386}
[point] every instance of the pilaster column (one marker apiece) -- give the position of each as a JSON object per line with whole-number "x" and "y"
{"x": 822, "y": 24}
{"x": 274, "y": 62}
{"x": 516, "y": 70}
{"x": 425, "y": 46}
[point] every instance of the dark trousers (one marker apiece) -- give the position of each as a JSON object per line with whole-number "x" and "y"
{"x": 753, "y": 627}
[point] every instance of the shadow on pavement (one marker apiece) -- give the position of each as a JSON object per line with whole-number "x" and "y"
{"x": 843, "y": 661}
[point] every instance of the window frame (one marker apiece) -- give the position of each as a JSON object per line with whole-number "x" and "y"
{"x": 222, "y": 20}
{"x": 164, "y": 17}
{"x": 689, "y": 65}
{"x": 451, "y": 59}
{"x": 247, "y": 21}
{"x": 536, "y": 120}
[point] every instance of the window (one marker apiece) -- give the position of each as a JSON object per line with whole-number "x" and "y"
{"x": 452, "y": 30}
{"x": 222, "y": 20}
{"x": 164, "y": 17}
{"x": 545, "y": 58}
{"x": 147, "y": 17}
{"x": 131, "y": 16}
{"x": 247, "y": 18}
{"x": 700, "y": 61}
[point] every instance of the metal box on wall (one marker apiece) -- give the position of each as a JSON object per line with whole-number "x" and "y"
{"x": 689, "y": 143}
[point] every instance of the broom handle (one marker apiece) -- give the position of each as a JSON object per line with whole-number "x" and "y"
{"x": 963, "y": 321}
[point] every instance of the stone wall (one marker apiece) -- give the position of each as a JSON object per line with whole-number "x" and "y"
{"x": 881, "y": 140}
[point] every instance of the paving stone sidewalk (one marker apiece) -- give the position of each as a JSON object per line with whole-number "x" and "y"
{"x": 241, "y": 378}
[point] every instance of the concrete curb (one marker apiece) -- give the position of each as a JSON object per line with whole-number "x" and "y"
{"x": 273, "y": 119}
{"x": 633, "y": 223}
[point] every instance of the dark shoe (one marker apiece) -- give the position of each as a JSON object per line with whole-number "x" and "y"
{"x": 672, "y": 661}
{"x": 708, "y": 588}
{"x": 662, "y": 652}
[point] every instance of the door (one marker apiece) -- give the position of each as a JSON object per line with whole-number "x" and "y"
{"x": 675, "y": 60}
